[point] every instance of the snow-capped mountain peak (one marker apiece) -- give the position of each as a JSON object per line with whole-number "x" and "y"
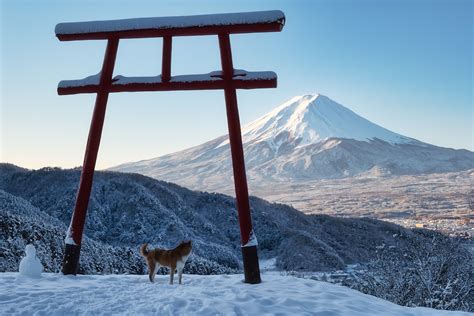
{"x": 313, "y": 118}
{"x": 308, "y": 137}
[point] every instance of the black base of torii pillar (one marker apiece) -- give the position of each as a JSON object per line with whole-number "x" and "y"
{"x": 219, "y": 24}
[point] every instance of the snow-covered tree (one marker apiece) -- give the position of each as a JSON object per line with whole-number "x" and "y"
{"x": 436, "y": 274}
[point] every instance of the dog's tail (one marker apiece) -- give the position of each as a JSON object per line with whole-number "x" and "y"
{"x": 144, "y": 251}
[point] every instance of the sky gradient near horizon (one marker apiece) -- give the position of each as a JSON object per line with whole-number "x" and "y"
{"x": 405, "y": 65}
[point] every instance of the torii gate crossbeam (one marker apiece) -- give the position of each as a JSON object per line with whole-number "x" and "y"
{"x": 229, "y": 79}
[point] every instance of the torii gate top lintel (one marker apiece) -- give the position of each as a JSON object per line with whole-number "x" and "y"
{"x": 208, "y": 24}
{"x": 228, "y": 79}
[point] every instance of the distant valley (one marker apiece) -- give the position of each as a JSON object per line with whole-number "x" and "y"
{"x": 441, "y": 201}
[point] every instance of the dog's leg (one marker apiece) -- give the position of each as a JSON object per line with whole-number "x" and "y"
{"x": 172, "y": 268}
{"x": 180, "y": 274}
{"x": 180, "y": 267}
{"x": 157, "y": 267}
{"x": 152, "y": 268}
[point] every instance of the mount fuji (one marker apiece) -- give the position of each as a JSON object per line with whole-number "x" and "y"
{"x": 309, "y": 137}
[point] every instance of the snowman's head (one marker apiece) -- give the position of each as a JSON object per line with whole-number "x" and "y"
{"x": 30, "y": 250}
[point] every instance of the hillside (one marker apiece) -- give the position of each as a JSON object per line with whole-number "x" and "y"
{"x": 129, "y": 209}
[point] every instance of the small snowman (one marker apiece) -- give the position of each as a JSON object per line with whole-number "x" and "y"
{"x": 30, "y": 265}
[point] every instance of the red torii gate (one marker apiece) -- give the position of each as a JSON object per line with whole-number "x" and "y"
{"x": 228, "y": 80}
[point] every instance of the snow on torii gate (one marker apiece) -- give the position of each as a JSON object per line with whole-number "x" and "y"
{"x": 228, "y": 80}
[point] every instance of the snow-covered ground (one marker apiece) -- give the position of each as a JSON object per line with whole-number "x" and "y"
{"x": 55, "y": 294}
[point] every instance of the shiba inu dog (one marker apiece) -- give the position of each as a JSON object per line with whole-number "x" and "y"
{"x": 174, "y": 259}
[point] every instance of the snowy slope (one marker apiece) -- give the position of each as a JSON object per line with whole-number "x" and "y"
{"x": 309, "y": 137}
{"x": 128, "y": 209}
{"x": 55, "y": 294}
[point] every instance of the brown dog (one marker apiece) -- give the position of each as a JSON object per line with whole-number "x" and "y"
{"x": 173, "y": 259}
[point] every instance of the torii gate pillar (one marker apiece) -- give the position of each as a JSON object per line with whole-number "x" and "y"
{"x": 228, "y": 80}
{"x": 249, "y": 242}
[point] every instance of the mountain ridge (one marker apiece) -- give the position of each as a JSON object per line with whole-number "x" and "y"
{"x": 126, "y": 210}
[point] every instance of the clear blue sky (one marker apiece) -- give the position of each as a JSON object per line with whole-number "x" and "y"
{"x": 405, "y": 65}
